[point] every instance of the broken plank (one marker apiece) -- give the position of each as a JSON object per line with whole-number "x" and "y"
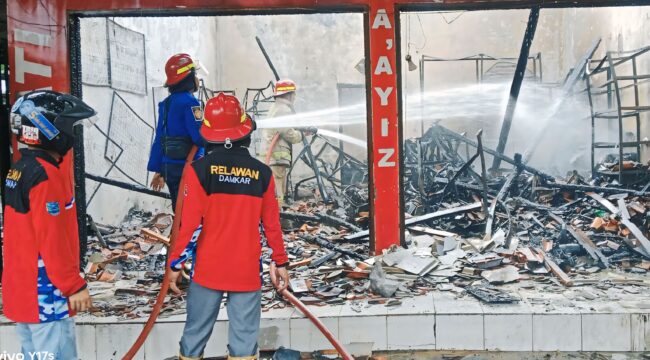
{"x": 643, "y": 241}
{"x": 625, "y": 220}
{"x": 622, "y": 208}
{"x": 583, "y": 240}
{"x": 589, "y": 245}
{"x": 556, "y": 270}
{"x": 430, "y": 231}
{"x": 150, "y": 234}
{"x": 604, "y": 202}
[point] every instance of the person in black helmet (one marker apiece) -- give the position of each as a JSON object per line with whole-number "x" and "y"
{"x": 41, "y": 287}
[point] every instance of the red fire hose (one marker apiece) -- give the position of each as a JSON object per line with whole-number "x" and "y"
{"x": 271, "y": 147}
{"x": 165, "y": 284}
{"x": 303, "y": 309}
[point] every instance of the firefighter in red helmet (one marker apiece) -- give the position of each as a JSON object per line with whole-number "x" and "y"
{"x": 179, "y": 121}
{"x": 227, "y": 193}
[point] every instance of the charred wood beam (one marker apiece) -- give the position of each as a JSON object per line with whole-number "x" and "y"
{"x": 520, "y": 72}
{"x": 479, "y": 150}
{"x": 464, "y": 185}
{"x": 419, "y": 219}
{"x": 320, "y": 218}
{"x": 507, "y": 159}
{"x": 588, "y": 188}
{"x": 460, "y": 171}
{"x": 127, "y": 186}
{"x": 625, "y": 220}
{"x": 268, "y": 59}
{"x": 490, "y": 214}
{"x": 328, "y": 245}
{"x": 583, "y": 240}
{"x": 556, "y": 270}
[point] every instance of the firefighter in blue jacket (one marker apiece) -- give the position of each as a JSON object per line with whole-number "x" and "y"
{"x": 179, "y": 120}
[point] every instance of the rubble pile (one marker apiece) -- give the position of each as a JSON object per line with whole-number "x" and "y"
{"x": 124, "y": 267}
{"x": 466, "y": 233}
{"x": 469, "y": 232}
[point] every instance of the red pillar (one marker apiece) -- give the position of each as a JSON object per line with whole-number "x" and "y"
{"x": 385, "y": 172}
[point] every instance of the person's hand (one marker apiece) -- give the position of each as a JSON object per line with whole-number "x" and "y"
{"x": 158, "y": 182}
{"x": 281, "y": 278}
{"x": 173, "y": 281}
{"x": 80, "y": 301}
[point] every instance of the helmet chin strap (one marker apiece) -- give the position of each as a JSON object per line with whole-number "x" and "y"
{"x": 227, "y": 144}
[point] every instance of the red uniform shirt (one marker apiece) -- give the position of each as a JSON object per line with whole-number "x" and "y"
{"x": 228, "y": 193}
{"x": 41, "y": 244}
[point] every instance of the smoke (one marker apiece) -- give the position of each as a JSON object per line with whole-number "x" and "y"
{"x": 560, "y": 127}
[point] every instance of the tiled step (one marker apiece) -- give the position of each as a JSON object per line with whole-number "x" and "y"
{"x": 435, "y": 321}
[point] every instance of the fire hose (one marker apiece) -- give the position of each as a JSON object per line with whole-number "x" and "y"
{"x": 303, "y": 309}
{"x": 292, "y": 299}
{"x": 165, "y": 283}
{"x": 274, "y": 141}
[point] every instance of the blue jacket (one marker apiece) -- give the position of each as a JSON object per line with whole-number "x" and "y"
{"x": 180, "y": 122}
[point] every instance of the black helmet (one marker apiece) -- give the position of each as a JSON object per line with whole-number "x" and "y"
{"x": 46, "y": 119}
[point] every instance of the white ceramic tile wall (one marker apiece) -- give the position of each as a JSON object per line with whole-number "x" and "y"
{"x": 306, "y": 337}
{"x": 114, "y": 340}
{"x": 459, "y": 332}
{"x": 557, "y": 332}
{"x": 640, "y": 332}
{"x": 508, "y": 332}
{"x": 411, "y": 332}
{"x": 163, "y": 341}
{"x": 364, "y": 329}
{"x": 9, "y": 341}
{"x": 86, "y": 342}
{"x": 275, "y": 333}
{"x": 606, "y": 332}
{"x": 456, "y": 324}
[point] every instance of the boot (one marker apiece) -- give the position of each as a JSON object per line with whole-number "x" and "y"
{"x": 251, "y": 357}
{"x": 181, "y": 357}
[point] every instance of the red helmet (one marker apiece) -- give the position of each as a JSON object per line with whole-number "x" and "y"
{"x": 224, "y": 120}
{"x": 178, "y": 68}
{"x": 284, "y": 87}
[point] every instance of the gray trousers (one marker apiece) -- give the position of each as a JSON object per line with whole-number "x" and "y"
{"x": 244, "y": 312}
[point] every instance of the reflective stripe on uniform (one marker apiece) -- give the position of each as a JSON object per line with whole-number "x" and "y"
{"x": 185, "y": 68}
{"x": 285, "y": 88}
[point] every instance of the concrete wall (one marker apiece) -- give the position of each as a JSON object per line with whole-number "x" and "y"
{"x": 317, "y": 51}
{"x": 563, "y": 36}
{"x": 163, "y": 38}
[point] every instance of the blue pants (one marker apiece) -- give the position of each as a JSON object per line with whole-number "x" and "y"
{"x": 172, "y": 174}
{"x": 244, "y": 312}
{"x": 56, "y": 338}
